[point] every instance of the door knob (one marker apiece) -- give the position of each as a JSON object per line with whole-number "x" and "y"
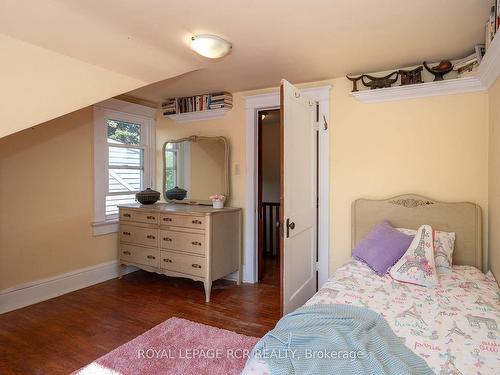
{"x": 289, "y": 225}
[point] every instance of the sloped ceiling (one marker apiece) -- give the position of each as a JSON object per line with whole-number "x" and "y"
{"x": 60, "y": 55}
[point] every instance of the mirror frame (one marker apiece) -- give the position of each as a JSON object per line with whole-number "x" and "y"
{"x": 197, "y": 138}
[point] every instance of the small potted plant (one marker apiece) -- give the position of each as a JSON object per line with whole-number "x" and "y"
{"x": 217, "y": 200}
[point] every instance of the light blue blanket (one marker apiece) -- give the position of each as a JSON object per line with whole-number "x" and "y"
{"x": 336, "y": 339}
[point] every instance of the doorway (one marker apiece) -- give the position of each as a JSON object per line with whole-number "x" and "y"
{"x": 268, "y": 198}
{"x": 269, "y": 101}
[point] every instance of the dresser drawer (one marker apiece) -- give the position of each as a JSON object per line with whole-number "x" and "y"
{"x": 140, "y": 255}
{"x": 180, "y": 241}
{"x": 139, "y": 235}
{"x": 184, "y": 263}
{"x": 197, "y": 222}
{"x": 139, "y": 216}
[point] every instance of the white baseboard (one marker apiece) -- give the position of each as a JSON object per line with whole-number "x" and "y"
{"x": 233, "y": 277}
{"x": 44, "y": 289}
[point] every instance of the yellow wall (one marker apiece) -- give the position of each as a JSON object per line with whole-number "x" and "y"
{"x": 436, "y": 147}
{"x": 494, "y": 178}
{"x": 231, "y": 126}
{"x": 208, "y": 176}
{"x": 46, "y": 202}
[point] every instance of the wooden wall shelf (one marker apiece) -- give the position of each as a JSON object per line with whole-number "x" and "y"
{"x": 486, "y": 75}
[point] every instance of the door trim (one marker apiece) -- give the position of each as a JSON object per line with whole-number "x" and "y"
{"x": 260, "y": 221}
{"x": 254, "y": 104}
{"x": 262, "y": 234}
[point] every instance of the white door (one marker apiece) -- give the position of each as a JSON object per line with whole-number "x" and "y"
{"x": 299, "y": 196}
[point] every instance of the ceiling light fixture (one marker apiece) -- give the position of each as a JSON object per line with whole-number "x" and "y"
{"x": 211, "y": 46}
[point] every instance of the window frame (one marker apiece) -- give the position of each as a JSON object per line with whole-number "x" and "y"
{"x": 121, "y": 111}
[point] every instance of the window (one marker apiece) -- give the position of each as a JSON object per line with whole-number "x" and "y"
{"x": 171, "y": 162}
{"x": 177, "y": 165}
{"x": 124, "y": 151}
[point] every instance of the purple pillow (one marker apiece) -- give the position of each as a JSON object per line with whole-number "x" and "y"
{"x": 382, "y": 247}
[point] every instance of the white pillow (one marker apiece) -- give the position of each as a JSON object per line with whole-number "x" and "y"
{"x": 444, "y": 244}
{"x": 417, "y": 265}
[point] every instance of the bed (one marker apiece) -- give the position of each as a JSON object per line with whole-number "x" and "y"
{"x": 454, "y": 327}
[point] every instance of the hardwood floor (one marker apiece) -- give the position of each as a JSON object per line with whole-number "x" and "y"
{"x": 271, "y": 271}
{"x": 65, "y": 333}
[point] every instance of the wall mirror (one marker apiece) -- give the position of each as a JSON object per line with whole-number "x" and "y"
{"x": 198, "y": 165}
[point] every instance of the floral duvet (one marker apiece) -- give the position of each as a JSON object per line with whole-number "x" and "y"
{"x": 455, "y": 327}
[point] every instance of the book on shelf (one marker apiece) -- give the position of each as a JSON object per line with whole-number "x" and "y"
{"x": 480, "y": 51}
{"x": 222, "y": 95}
{"x": 492, "y": 24}
{"x": 471, "y": 73}
{"x": 457, "y": 64}
{"x": 197, "y": 103}
{"x": 221, "y": 100}
{"x": 218, "y": 106}
{"x": 466, "y": 70}
{"x": 169, "y": 107}
{"x": 497, "y": 15}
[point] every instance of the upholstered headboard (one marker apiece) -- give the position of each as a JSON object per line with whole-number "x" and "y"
{"x": 411, "y": 211}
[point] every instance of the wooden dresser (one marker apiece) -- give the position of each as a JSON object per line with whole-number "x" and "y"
{"x": 197, "y": 242}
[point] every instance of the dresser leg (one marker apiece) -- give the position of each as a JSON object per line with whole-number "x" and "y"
{"x": 208, "y": 288}
{"x": 238, "y": 277}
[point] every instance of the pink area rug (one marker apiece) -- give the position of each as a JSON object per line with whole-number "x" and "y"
{"x": 177, "y": 346}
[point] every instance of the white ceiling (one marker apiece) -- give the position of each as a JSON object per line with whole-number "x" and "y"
{"x": 298, "y": 40}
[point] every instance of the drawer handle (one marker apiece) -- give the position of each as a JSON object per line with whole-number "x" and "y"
{"x": 196, "y": 222}
{"x": 196, "y": 243}
{"x": 166, "y": 260}
{"x": 127, "y": 253}
{"x": 127, "y": 215}
{"x": 150, "y": 236}
{"x": 126, "y": 233}
{"x": 151, "y": 217}
{"x": 167, "y": 239}
{"x": 167, "y": 219}
{"x": 194, "y": 265}
{"x": 151, "y": 257}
